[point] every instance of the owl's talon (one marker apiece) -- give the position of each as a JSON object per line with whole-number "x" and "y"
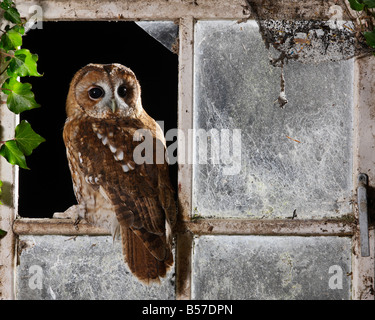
{"x": 74, "y": 212}
{"x": 60, "y": 215}
{"x": 76, "y": 222}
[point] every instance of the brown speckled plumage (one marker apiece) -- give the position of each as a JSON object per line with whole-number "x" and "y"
{"x": 131, "y": 199}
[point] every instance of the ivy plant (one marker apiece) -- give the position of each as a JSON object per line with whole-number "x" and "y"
{"x": 365, "y": 15}
{"x": 15, "y": 63}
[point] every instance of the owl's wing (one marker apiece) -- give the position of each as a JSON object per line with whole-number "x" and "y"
{"x": 140, "y": 193}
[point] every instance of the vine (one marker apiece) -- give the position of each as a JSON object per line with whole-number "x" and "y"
{"x": 16, "y": 63}
{"x": 365, "y": 16}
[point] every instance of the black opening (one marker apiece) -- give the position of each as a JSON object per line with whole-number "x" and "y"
{"x": 63, "y": 48}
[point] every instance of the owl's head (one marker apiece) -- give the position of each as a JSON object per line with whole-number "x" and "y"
{"x": 104, "y": 91}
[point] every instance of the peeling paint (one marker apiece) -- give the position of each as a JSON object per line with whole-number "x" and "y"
{"x": 310, "y": 41}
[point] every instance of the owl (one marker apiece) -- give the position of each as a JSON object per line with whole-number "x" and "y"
{"x": 134, "y": 200}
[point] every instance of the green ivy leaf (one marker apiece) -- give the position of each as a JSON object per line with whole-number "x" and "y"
{"x": 370, "y": 38}
{"x": 1, "y": 184}
{"x": 10, "y": 151}
{"x": 11, "y": 39}
{"x": 20, "y": 96}
{"x": 13, "y": 15}
{"x": 2, "y": 233}
{"x": 369, "y": 3}
{"x": 19, "y": 29}
{"x": 9, "y": 3}
{"x": 355, "y": 5}
{"x": 23, "y": 64}
{"x": 6, "y": 4}
{"x": 27, "y": 139}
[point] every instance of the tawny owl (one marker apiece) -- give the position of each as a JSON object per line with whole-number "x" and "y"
{"x": 105, "y": 124}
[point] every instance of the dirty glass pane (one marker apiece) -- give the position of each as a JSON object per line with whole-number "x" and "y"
{"x": 282, "y": 268}
{"x": 253, "y": 159}
{"x": 84, "y": 267}
{"x": 166, "y": 32}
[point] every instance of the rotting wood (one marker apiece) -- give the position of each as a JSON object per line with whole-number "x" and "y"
{"x": 8, "y": 210}
{"x": 185, "y": 115}
{"x": 199, "y": 9}
{"x": 183, "y": 265}
{"x": 174, "y": 9}
{"x": 269, "y": 227}
{"x": 280, "y": 227}
{"x": 362, "y": 269}
{"x": 26, "y": 226}
{"x": 185, "y": 122}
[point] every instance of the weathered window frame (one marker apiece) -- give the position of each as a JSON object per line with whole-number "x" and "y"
{"x": 186, "y": 12}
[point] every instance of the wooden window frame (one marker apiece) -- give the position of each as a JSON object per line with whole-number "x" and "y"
{"x": 186, "y": 12}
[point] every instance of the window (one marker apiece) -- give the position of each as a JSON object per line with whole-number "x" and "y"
{"x": 124, "y": 42}
{"x": 267, "y": 195}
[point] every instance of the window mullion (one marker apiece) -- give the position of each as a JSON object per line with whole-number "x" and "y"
{"x": 185, "y": 122}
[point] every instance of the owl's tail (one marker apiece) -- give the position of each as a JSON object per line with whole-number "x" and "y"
{"x": 141, "y": 262}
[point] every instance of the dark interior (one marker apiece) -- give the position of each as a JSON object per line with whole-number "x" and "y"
{"x": 63, "y": 48}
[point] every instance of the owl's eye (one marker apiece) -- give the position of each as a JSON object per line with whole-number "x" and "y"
{"x": 121, "y": 91}
{"x": 96, "y": 93}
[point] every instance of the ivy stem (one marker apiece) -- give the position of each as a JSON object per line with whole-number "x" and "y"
{"x": 7, "y": 54}
{"x": 347, "y": 10}
{"x": 2, "y": 142}
{"x": 5, "y": 69}
{"x": 7, "y": 89}
{"x": 369, "y": 15}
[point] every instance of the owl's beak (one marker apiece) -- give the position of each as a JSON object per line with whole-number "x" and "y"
{"x": 113, "y": 105}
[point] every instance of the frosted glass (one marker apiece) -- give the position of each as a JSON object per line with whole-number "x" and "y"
{"x": 294, "y": 159}
{"x": 282, "y": 268}
{"x": 81, "y": 268}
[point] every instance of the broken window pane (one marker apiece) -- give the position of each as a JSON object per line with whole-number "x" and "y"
{"x": 265, "y": 268}
{"x": 296, "y": 159}
{"x": 166, "y": 32}
{"x": 84, "y": 267}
